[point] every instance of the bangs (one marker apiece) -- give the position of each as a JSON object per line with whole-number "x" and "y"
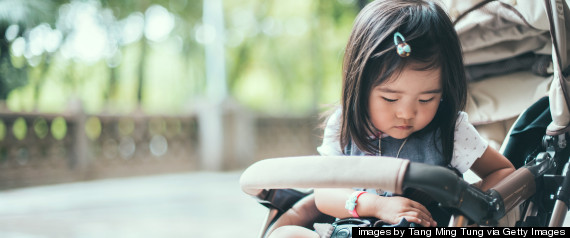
{"x": 421, "y": 29}
{"x": 428, "y": 58}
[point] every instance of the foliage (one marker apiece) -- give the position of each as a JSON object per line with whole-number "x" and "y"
{"x": 17, "y": 17}
{"x": 117, "y": 56}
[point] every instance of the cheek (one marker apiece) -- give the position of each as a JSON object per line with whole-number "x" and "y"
{"x": 429, "y": 112}
{"x": 381, "y": 109}
{"x": 379, "y": 113}
{"x": 375, "y": 106}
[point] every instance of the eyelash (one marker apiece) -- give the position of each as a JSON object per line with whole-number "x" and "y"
{"x": 426, "y": 101}
{"x": 394, "y": 100}
{"x": 389, "y": 100}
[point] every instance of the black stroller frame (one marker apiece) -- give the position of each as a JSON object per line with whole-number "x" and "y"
{"x": 539, "y": 188}
{"x": 554, "y": 183}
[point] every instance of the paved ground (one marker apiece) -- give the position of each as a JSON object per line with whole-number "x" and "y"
{"x": 179, "y": 205}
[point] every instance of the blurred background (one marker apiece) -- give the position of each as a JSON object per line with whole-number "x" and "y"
{"x": 134, "y": 118}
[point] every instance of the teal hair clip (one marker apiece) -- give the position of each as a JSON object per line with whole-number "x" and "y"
{"x": 402, "y": 47}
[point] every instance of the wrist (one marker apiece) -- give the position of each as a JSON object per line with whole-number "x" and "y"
{"x": 369, "y": 205}
{"x": 379, "y": 203}
{"x": 352, "y": 202}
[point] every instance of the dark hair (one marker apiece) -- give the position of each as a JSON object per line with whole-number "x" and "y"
{"x": 370, "y": 59}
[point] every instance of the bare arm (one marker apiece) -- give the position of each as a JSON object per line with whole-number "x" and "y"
{"x": 492, "y": 167}
{"x": 388, "y": 209}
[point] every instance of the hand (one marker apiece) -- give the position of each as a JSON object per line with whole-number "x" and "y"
{"x": 393, "y": 209}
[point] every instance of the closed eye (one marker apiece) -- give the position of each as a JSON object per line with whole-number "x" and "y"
{"x": 427, "y": 100}
{"x": 389, "y": 100}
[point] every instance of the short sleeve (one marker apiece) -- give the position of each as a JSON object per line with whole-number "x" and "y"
{"x": 468, "y": 145}
{"x": 331, "y": 142}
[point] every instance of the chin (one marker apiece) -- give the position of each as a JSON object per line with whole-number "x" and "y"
{"x": 400, "y": 136}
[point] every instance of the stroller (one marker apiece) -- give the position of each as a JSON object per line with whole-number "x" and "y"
{"x": 536, "y": 144}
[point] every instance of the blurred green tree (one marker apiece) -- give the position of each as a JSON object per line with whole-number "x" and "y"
{"x": 281, "y": 56}
{"x": 17, "y": 17}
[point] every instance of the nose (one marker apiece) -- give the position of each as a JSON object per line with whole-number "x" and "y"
{"x": 406, "y": 112}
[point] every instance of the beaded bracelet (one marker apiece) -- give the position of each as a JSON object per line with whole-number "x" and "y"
{"x": 350, "y": 204}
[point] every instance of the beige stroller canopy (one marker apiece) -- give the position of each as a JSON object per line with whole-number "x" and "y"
{"x": 499, "y": 30}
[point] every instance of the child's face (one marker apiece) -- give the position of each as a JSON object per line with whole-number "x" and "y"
{"x": 403, "y": 105}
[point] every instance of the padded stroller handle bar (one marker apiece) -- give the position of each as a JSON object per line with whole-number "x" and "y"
{"x": 324, "y": 172}
{"x": 393, "y": 175}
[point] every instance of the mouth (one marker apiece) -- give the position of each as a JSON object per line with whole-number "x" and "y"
{"x": 404, "y": 127}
